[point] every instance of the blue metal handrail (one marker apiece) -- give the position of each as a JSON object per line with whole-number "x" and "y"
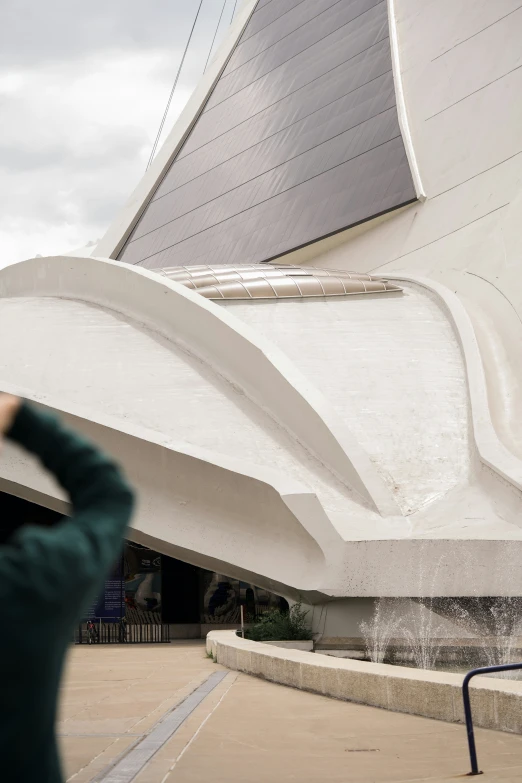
{"x": 467, "y": 707}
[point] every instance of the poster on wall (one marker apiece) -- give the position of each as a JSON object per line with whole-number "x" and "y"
{"x": 142, "y": 576}
{"x": 222, "y": 598}
{"x": 110, "y": 605}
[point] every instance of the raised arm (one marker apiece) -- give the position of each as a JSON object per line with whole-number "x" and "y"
{"x": 65, "y": 565}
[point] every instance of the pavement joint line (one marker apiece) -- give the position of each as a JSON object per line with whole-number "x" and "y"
{"x": 128, "y": 767}
{"x": 136, "y": 737}
{"x": 111, "y": 765}
{"x": 83, "y": 734}
{"x": 198, "y": 730}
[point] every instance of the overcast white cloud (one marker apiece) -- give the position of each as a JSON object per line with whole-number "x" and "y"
{"x": 83, "y": 87}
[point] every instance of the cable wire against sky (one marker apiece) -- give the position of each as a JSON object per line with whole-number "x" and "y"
{"x": 215, "y": 35}
{"x": 233, "y": 12}
{"x": 156, "y": 142}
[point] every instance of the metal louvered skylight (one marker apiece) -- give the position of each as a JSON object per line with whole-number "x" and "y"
{"x": 262, "y": 281}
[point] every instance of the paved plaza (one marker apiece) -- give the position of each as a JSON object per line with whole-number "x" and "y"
{"x": 247, "y": 730}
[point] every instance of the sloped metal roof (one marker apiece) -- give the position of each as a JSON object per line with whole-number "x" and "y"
{"x": 298, "y": 140}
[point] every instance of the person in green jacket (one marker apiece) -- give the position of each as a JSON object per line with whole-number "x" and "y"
{"x": 48, "y": 575}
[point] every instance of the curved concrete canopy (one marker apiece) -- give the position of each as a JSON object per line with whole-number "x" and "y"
{"x": 248, "y": 362}
{"x": 398, "y": 428}
{"x": 222, "y": 483}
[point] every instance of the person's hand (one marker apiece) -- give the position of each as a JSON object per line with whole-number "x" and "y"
{"x": 9, "y": 406}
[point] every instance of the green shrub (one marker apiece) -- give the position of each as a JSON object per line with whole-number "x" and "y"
{"x": 277, "y": 626}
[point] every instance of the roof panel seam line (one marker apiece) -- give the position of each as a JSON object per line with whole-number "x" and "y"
{"x": 325, "y": 171}
{"x": 347, "y": 227}
{"x": 339, "y": 65}
{"x": 478, "y": 174}
{"x": 262, "y": 51}
{"x": 289, "y": 12}
{"x": 439, "y": 239}
{"x": 316, "y": 43}
{"x": 270, "y": 136}
{"x": 322, "y": 286}
{"x": 299, "y": 287}
{"x": 465, "y": 40}
{"x": 281, "y": 254}
{"x": 117, "y": 243}
{"x": 258, "y": 54}
{"x": 401, "y": 103}
{"x": 469, "y": 95}
{"x": 262, "y": 174}
{"x": 263, "y": 6}
{"x": 273, "y": 20}
{"x": 272, "y": 287}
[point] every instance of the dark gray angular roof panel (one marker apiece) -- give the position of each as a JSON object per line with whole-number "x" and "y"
{"x": 268, "y": 13}
{"x": 299, "y": 140}
{"x": 304, "y": 45}
{"x": 286, "y": 79}
{"x": 261, "y": 125}
{"x": 279, "y": 31}
{"x": 348, "y": 115}
{"x": 312, "y": 164}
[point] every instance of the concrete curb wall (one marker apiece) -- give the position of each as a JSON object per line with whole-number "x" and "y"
{"x": 496, "y": 704}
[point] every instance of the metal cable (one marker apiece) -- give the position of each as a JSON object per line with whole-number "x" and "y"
{"x": 154, "y": 148}
{"x": 215, "y": 35}
{"x": 233, "y": 12}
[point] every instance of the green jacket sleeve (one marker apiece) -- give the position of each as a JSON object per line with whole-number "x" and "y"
{"x": 64, "y": 566}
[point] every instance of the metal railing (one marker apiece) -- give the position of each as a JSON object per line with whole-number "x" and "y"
{"x": 507, "y": 667}
{"x": 97, "y": 632}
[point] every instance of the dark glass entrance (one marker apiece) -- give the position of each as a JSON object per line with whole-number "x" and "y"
{"x": 151, "y": 588}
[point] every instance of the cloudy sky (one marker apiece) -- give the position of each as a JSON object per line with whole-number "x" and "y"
{"x": 83, "y": 87}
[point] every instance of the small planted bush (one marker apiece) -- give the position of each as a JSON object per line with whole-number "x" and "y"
{"x": 278, "y": 626}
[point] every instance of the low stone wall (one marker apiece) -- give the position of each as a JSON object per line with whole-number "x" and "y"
{"x": 295, "y": 645}
{"x": 496, "y": 704}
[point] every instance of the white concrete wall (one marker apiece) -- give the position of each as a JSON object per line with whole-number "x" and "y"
{"x": 392, "y": 368}
{"x": 462, "y": 77}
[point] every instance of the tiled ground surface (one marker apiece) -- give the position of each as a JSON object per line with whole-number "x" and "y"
{"x": 113, "y": 695}
{"x": 250, "y": 731}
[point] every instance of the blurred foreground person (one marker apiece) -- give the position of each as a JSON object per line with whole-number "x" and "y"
{"x": 48, "y": 576}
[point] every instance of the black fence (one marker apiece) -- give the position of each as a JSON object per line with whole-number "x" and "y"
{"x": 93, "y": 632}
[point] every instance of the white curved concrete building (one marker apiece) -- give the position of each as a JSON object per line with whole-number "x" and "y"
{"x": 347, "y": 446}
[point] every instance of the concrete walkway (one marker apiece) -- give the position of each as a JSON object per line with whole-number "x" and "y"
{"x": 250, "y": 731}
